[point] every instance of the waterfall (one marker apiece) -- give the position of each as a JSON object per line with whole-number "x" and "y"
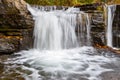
{"x": 55, "y": 30}
{"x": 61, "y": 50}
{"x": 83, "y": 29}
{"x": 111, "y": 9}
{"x": 88, "y": 30}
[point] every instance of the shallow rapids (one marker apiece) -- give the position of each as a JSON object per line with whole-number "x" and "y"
{"x": 83, "y": 63}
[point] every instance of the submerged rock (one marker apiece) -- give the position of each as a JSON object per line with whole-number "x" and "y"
{"x": 111, "y": 75}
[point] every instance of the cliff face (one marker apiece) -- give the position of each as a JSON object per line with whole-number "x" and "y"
{"x": 16, "y": 26}
{"x": 116, "y": 27}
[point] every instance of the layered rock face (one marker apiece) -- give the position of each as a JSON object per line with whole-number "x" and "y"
{"x": 99, "y": 26}
{"x": 16, "y": 26}
{"x": 98, "y": 29}
{"x": 116, "y": 27}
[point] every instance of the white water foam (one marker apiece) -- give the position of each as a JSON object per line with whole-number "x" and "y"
{"x": 69, "y": 64}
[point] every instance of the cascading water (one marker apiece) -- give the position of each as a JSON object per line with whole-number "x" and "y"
{"x": 56, "y": 54}
{"x": 83, "y": 29}
{"x": 111, "y": 10}
{"x": 59, "y": 29}
{"x": 54, "y": 31}
{"x": 88, "y": 30}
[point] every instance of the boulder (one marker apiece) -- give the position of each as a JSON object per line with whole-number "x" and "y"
{"x": 16, "y": 26}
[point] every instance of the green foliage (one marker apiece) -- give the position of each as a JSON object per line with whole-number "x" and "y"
{"x": 68, "y": 2}
{"x": 85, "y": 1}
{"x": 54, "y": 2}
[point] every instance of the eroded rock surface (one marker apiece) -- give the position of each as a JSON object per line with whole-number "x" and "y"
{"x": 116, "y": 27}
{"x": 16, "y": 26}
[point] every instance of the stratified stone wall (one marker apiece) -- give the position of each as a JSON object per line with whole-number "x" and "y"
{"x": 16, "y": 26}
{"x": 99, "y": 25}
{"x": 98, "y": 29}
{"x": 116, "y": 27}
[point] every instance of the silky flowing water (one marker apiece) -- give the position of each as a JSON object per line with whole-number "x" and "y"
{"x": 59, "y": 52}
{"x": 111, "y": 11}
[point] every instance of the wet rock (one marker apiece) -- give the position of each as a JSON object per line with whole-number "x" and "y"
{"x": 88, "y": 7}
{"x": 116, "y": 39}
{"x": 98, "y": 39}
{"x": 97, "y": 19}
{"x": 1, "y": 68}
{"x": 98, "y": 29}
{"x": 116, "y": 27}
{"x": 9, "y": 45}
{"x": 110, "y": 76}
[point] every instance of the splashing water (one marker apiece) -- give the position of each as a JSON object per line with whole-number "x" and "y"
{"x": 56, "y": 54}
{"x": 70, "y": 64}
